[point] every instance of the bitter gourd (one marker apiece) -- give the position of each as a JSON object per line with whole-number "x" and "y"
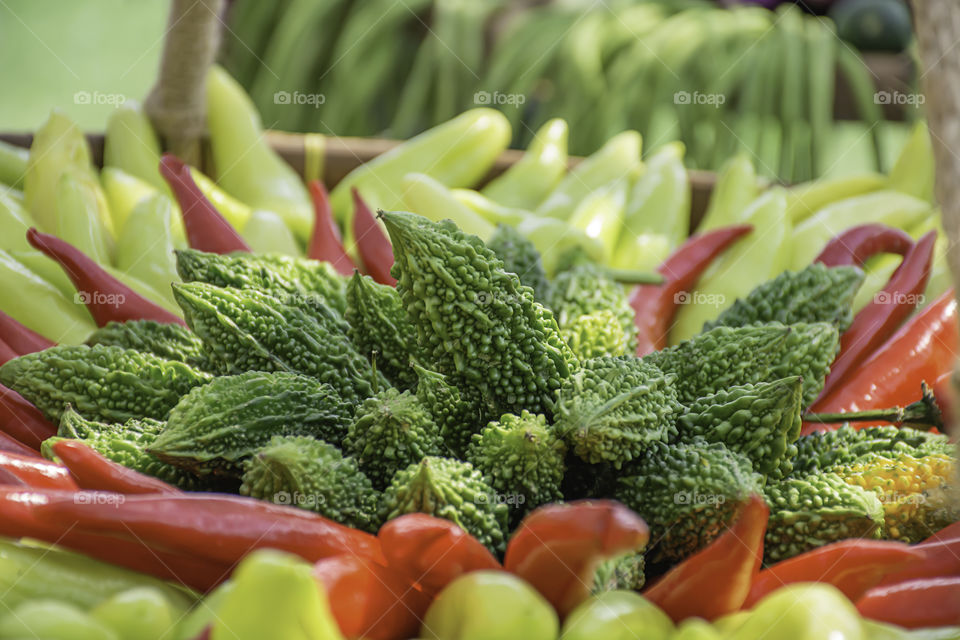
{"x": 815, "y": 294}
{"x": 126, "y": 444}
{"x": 613, "y": 409}
{"x": 379, "y": 327}
{"x": 167, "y": 340}
{"x": 520, "y": 457}
{"x": 389, "y": 432}
{"x": 621, "y": 572}
{"x": 457, "y": 413}
{"x": 312, "y": 474}
{"x": 105, "y": 383}
{"x": 687, "y": 493}
{"x": 269, "y": 273}
{"x": 476, "y": 323}
{"x": 216, "y": 426}
{"x": 245, "y": 330}
{"x": 597, "y": 334}
{"x": 761, "y": 421}
{"x": 450, "y": 489}
{"x": 809, "y": 512}
{"x": 521, "y": 257}
{"x": 729, "y": 356}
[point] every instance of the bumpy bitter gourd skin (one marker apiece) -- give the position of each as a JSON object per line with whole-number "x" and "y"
{"x": 269, "y": 273}
{"x": 312, "y": 474}
{"x": 389, "y": 432}
{"x": 583, "y": 290}
{"x": 167, "y": 340}
{"x": 111, "y": 384}
{"x": 450, "y": 489}
{"x": 457, "y": 414}
{"x": 521, "y": 457}
{"x": 521, "y": 257}
{"x": 245, "y": 330}
{"x": 475, "y": 322}
{"x": 759, "y": 420}
{"x": 729, "y": 356}
{"x": 622, "y": 572}
{"x": 815, "y": 294}
{"x": 809, "y": 512}
{"x": 687, "y": 493}
{"x": 613, "y": 409}
{"x": 126, "y": 444}
{"x": 216, "y": 427}
{"x": 379, "y": 327}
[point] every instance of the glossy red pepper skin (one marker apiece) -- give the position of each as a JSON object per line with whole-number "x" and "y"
{"x": 853, "y": 566}
{"x": 7, "y": 353}
{"x": 207, "y": 230}
{"x": 18, "y": 518}
{"x": 922, "y": 350}
{"x": 369, "y": 600}
{"x": 717, "y": 579}
{"x": 221, "y": 527}
{"x": 949, "y": 532}
{"x": 36, "y": 472}
{"x": 557, "y": 547}
{"x": 325, "y": 242}
{"x": 432, "y": 552}
{"x": 939, "y": 559}
{"x": 106, "y": 297}
{"x": 927, "y": 602}
{"x": 23, "y": 421}
{"x": 373, "y": 245}
{"x": 654, "y": 306}
{"x": 11, "y": 445}
{"x": 857, "y": 244}
{"x": 93, "y": 471}
{"x": 21, "y": 339}
{"x": 879, "y": 320}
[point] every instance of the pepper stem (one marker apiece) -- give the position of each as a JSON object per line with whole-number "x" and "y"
{"x": 922, "y": 414}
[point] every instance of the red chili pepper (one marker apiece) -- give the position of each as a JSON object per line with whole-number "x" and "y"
{"x": 93, "y": 471}
{"x": 369, "y": 600}
{"x": 431, "y": 551}
{"x": 23, "y": 421}
{"x": 11, "y": 445}
{"x": 106, "y": 297}
{"x": 37, "y": 472}
{"x": 557, "y": 547}
{"x": 928, "y": 602}
{"x": 373, "y": 245}
{"x": 716, "y": 580}
{"x": 880, "y": 319}
{"x": 923, "y": 350}
{"x": 7, "y": 353}
{"x": 207, "y": 230}
{"x": 19, "y": 338}
{"x": 654, "y": 306}
{"x": 943, "y": 394}
{"x": 221, "y": 527}
{"x": 949, "y": 532}
{"x": 18, "y": 518}
{"x": 855, "y": 245}
{"x": 940, "y": 559}
{"x": 326, "y": 243}
{"x": 854, "y": 566}
{"x": 8, "y": 479}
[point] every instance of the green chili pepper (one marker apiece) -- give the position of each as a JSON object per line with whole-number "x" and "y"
{"x": 13, "y": 164}
{"x": 131, "y": 144}
{"x": 143, "y": 613}
{"x": 14, "y": 222}
{"x": 266, "y": 232}
{"x": 617, "y": 615}
{"x": 52, "y": 620}
{"x": 81, "y": 207}
{"x": 600, "y": 215}
{"x": 431, "y": 199}
{"x": 806, "y": 199}
{"x": 47, "y": 268}
{"x": 891, "y": 208}
{"x": 803, "y": 611}
{"x": 874, "y": 630}
{"x": 696, "y": 629}
{"x": 537, "y": 173}
{"x": 755, "y": 258}
{"x": 736, "y": 187}
{"x": 913, "y": 173}
{"x": 493, "y": 212}
{"x": 204, "y": 613}
{"x": 146, "y": 290}
{"x": 457, "y": 153}
{"x": 274, "y": 595}
{"x": 553, "y": 238}
{"x": 618, "y": 158}
{"x": 123, "y": 191}
{"x": 248, "y": 168}
{"x": 145, "y": 246}
{"x": 237, "y": 213}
